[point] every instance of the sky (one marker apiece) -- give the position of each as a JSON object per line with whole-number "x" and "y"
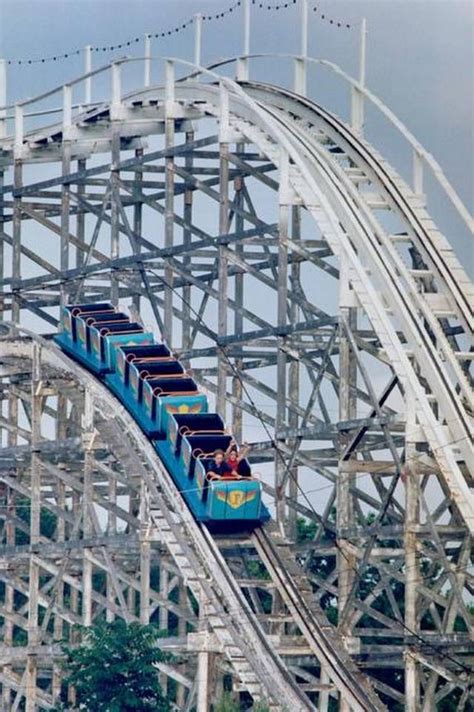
{"x": 419, "y": 61}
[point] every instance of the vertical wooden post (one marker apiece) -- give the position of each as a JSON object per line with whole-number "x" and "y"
{"x": 35, "y": 511}
{"x": 87, "y": 70}
{"x": 145, "y": 559}
{"x": 145, "y": 555}
{"x": 203, "y": 662}
{"x": 3, "y": 97}
{"x": 60, "y": 536}
{"x": 87, "y": 499}
{"x": 237, "y": 390}
{"x": 147, "y": 62}
{"x": 301, "y": 61}
{"x": 417, "y": 172}
{"x": 169, "y": 199}
{"x": 346, "y": 561}
{"x": 188, "y": 216}
{"x": 222, "y": 259}
{"x": 294, "y": 377}
{"x": 115, "y": 114}
{"x": 111, "y": 531}
{"x": 138, "y": 216}
{"x": 357, "y": 96}
{"x": 197, "y": 38}
{"x": 17, "y": 213}
{"x": 65, "y": 188}
{"x": 362, "y": 51}
{"x": 242, "y": 72}
{"x": 80, "y": 214}
{"x": 280, "y": 419}
{"x": 412, "y": 574}
{"x": 10, "y": 535}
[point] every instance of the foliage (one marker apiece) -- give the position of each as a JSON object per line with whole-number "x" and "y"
{"x": 227, "y": 704}
{"x": 320, "y": 566}
{"x": 48, "y": 520}
{"x": 255, "y": 569}
{"x": 305, "y": 530}
{"x": 113, "y": 670}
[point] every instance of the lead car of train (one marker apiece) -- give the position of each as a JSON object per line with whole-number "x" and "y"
{"x": 169, "y": 407}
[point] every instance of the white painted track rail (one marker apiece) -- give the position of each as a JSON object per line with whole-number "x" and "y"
{"x": 242, "y": 640}
{"x": 401, "y": 277}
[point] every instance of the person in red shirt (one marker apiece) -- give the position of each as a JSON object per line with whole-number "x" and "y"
{"x": 234, "y": 458}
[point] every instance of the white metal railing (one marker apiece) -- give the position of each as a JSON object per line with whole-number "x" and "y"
{"x": 359, "y": 94}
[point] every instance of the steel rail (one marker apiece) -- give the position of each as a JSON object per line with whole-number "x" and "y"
{"x": 446, "y": 392}
{"x": 317, "y": 632}
{"x": 290, "y": 141}
{"x": 197, "y": 71}
{"x": 386, "y": 112}
{"x": 412, "y": 300}
{"x": 444, "y": 267}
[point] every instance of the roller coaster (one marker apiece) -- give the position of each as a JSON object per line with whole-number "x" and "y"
{"x": 174, "y": 415}
{"x": 299, "y": 284}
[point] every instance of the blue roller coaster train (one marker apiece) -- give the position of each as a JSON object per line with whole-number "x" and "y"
{"x": 170, "y": 409}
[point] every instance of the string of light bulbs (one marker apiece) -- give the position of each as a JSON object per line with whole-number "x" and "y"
{"x": 162, "y": 34}
{"x": 223, "y": 13}
{"x": 315, "y": 9}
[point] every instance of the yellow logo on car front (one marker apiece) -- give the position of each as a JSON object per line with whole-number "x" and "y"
{"x": 235, "y": 498}
{"x": 184, "y": 408}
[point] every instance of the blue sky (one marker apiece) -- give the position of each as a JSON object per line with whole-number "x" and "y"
{"x": 419, "y": 63}
{"x": 419, "y": 60}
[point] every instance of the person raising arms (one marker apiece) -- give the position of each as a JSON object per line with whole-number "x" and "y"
{"x": 235, "y": 459}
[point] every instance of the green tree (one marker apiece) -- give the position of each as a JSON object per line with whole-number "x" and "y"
{"x": 227, "y": 704}
{"x": 113, "y": 670}
{"x": 322, "y": 566}
{"x": 48, "y": 521}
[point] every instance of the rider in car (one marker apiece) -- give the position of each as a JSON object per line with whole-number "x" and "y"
{"x": 219, "y": 469}
{"x": 236, "y": 459}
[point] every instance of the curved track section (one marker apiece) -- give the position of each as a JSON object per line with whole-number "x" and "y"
{"x": 423, "y": 333}
{"x": 196, "y": 555}
{"x": 333, "y": 209}
{"x": 399, "y": 305}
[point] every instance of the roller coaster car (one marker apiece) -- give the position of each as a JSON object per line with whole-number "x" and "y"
{"x": 191, "y": 424}
{"x": 231, "y": 499}
{"x": 92, "y": 332}
{"x": 167, "y": 404}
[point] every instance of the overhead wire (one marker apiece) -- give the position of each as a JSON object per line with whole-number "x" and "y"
{"x": 179, "y": 28}
{"x": 176, "y": 29}
{"x": 304, "y": 493}
{"x": 277, "y": 449}
{"x": 288, "y": 470}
